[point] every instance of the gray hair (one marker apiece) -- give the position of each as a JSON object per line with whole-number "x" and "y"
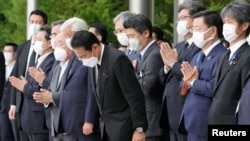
{"x": 58, "y": 22}
{"x": 237, "y": 10}
{"x": 193, "y": 6}
{"x": 76, "y": 24}
{"x": 123, "y": 16}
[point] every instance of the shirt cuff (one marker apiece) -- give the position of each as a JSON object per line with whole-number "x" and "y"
{"x": 12, "y": 106}
{"x": 46, "y": 105}
{"x": 166, "y": 70}
{"x": 172, "y": 64}
{"x": 192, "y": 82}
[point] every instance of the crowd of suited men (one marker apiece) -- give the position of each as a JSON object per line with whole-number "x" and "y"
{"x": 68, "y": 83}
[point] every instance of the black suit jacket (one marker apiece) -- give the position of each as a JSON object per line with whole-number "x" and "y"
{"x": 19, "y": 70}
{"x": 172, "y": 101}
{"x": 119, "y": 97}
{"x": 2, "y": 74}
{"x": 229, "y": 83}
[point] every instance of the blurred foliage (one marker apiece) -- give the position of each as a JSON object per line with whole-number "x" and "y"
{"x": 13, "y": 14}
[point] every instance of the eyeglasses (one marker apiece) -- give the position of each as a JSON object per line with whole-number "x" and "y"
{"x": 182, "y": 18}
{"x": 118, "y": 31}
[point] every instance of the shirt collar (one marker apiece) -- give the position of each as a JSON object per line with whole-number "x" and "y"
{"x": 236, "y": 46}
{"x": 42, "y": 58}
{"x": 207, "y": 51}
{"x": 146, "y": 48}
{"x": 102, "y": 50}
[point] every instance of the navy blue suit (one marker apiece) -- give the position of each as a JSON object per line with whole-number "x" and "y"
{"x": 78, "y": 103}
{"x": 199, "y": 97}
{"x": 5, "y": 124}
{"x": 172, "y": 100}
{"x": 33, "y": 119}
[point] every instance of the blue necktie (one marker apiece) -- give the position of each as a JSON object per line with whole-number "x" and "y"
{"x": 139, "y": 59}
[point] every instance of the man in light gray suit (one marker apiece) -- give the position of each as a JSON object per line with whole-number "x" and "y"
{"x": 147, "y": 66}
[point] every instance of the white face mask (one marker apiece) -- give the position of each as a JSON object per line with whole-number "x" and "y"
{"x": 122, "y": 38}
{"x": 134, "y": 44}
{"x": 8, "y": 56}
{"x": 52, "y": 41}
{"x": 60, "y": 54}
{"x": 198, "y": 38}
{"x": 38, "y": 47}
{"x": 34, "y": 28}
{"x": 182, "y": 28}
{"x": 90, "y": 62}
{"x": 68, "y": 43}
{"x": 229, "y": 32}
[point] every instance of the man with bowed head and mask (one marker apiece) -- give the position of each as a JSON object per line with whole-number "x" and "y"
{"x": 33, "y": 115}
{"x": 26, "y": 57}
{"x": 233, "y": 66}
{"x": 170, "y": 73}
{"x": 74, "y": 112}
{"x": 200, "y": 73}
{"x": 118, "y": 94}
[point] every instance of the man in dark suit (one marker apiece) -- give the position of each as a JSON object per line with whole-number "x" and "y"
{"x": 242, "y": 111}
{"x": 118, "y": 93}
{"x": 33, "y": 115}
{"x": 71, "y": 100}
{"x": 171, "y": 75}
{"x": 2, "y": 76}
{"x": 139, "y": 31}
{"x": 6, "y": 132}
{"x": 233, "y": 66}
{"x": 207, "y": 32}
{"x": 25, "y": 58}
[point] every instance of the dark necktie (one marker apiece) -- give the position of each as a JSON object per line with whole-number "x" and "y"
{"x": 32, "y": 59}
{"x": 186, "y": 44}
{"x": 202, "y": 56}
{"x": 96, "y": 75}
{"x": 139, "y": 59}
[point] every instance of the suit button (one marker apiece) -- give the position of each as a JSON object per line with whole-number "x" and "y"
{"x": 168, "y": 83}
{"x": 213, "y": 99}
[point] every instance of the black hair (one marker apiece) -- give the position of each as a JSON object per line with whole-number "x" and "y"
{"x": 84, "y": 39}
{"x": 140, "y": 23}
{"x": 158, "y": 32}
{"x": 40, "y": 13}
{"x": 47, "y": 30}
{"x": 211, "y": 18}
{"x": 100, "y": 29}
{"x": 14, "y": 45}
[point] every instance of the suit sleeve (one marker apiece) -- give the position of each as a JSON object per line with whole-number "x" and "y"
{"x": 2, "y": 74}
{"x": 30, "y": 87}
{"x": 92, "y": 111}
{"x": 150, "y": 79}
{"x": 132, "y": 91}
{"x": 177, "y": 69}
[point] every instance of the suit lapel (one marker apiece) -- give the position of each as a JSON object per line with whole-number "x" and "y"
{"x": 222, "y": 75}
{"x": 144, "y": 57}
{"x": 103, "y": 73}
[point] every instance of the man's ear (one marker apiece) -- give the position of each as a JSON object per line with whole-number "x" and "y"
{"x": 146, "y": 33}
{"x": 99, "y": 37}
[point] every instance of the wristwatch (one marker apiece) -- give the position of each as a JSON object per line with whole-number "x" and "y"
{"x": 139, "y": 129}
